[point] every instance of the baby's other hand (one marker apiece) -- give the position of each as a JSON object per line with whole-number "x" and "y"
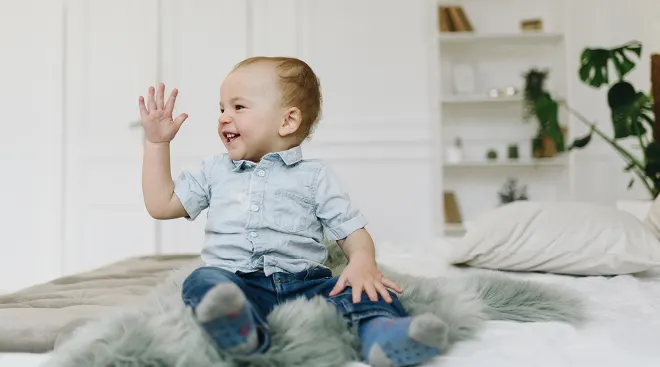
{"x": 157, "y": 121}
{"x": 364, "y": 275}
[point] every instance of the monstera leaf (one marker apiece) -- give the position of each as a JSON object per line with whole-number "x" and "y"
{"x": 594, "y": 63}
{"x": 631, "y": 111}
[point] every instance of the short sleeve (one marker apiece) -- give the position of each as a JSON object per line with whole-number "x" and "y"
{"x": 193, "y": 188}
{"x": 334, "y": 208}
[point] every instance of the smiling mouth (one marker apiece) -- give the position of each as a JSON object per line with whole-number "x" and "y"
{"x": 231, "y": 137}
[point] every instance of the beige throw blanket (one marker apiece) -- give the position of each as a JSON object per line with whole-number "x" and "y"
{"x": 35, "y": 319}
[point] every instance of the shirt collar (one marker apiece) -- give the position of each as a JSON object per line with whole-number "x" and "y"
{"x": 289, "y": 157}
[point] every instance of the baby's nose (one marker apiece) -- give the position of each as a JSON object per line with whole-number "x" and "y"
{"x": 224, "y": 119}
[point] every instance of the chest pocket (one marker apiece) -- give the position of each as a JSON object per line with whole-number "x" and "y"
{"x": 291, "y": 212}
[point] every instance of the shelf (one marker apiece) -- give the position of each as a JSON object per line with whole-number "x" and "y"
{"x": 466, "y": 37}
{"x": 484, "y": 98}
{"x": 480, "y": 98}
{"x": 539, "y": 162}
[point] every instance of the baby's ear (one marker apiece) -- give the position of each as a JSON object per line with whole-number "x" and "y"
{"x": 291, "y": 122}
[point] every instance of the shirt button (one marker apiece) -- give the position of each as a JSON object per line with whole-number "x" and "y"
{"x": 255, "y": 208}
{"x": 253, "y": 234}
{"x": 261, "y": 173}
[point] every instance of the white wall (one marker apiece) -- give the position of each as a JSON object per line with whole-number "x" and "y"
{"x": 599, "y": 172}
{"x": 378, "y": 130}
{"x": 31, "y": 107}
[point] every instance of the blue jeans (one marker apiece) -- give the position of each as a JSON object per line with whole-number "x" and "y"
{"x": 265, "y": 292}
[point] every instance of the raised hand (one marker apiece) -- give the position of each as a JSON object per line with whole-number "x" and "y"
{"x": 157, "y": 121}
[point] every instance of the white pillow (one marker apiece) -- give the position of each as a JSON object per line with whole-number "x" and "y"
{"x": 652, "y": 219}
{"x": 559, "y": 237}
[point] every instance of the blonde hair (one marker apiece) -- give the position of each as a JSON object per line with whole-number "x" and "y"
{"x": 299, "y": 87}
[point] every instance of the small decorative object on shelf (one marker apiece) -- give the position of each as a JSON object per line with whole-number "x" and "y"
{"x": 511, "y": 91}
{"x": 452, "y": 211}
{"x": 510, "y": 192}
{"x": 453, "y": 19}
{"x": 455, "y": 152}
{"x": 464, "y": 79}
{"x": 491, "y": 155}
{"x": 535, "y": 24}
{"x": 512, "y": 151}
{"x": 493, "y": 92}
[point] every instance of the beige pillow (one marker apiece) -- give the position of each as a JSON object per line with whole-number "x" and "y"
{"x": 559, "y": 237}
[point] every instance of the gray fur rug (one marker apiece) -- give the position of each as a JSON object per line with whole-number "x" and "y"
{"x": 162, "y": 332}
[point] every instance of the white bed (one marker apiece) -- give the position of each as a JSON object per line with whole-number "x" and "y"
{"x": 625, "y": 328}
{"x": 22, "y": 359}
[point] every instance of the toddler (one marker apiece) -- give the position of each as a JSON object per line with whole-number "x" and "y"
{"x": 268, "y": 211}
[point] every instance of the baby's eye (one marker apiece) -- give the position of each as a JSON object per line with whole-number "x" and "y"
{"x": 239, "y": 107}
{"x": 222, "y": 110}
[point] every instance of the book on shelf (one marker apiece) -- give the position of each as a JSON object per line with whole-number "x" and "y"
{"x": 453, "y": 19}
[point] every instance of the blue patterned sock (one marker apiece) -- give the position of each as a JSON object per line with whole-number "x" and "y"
{"x": 406, "y": 341}
{"x": 225, "y": 314}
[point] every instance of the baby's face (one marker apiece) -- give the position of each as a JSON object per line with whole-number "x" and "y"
{"x": 251, "y": 112}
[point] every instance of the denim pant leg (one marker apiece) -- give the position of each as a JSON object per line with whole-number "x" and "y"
{"x": 319, "y": 281}
{"x": 260, "y": 301}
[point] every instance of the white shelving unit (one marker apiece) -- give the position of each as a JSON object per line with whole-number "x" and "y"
{"x": 514, "y": 37}
{"x": 498, "y": 53}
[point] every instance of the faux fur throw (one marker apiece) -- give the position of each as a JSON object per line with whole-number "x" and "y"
{"x": 162, "y": 332}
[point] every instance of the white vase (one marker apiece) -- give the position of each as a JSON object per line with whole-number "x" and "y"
{"x": 638, "y": 208}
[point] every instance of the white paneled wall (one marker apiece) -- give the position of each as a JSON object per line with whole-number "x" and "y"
{"x": 31, "y": 108}
{"x": 375, "y": 128}
{"x": 71, "y": 161}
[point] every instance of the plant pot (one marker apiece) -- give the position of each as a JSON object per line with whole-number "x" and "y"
{"x": 544, "y": 146}
{"x": 638, "y": 208}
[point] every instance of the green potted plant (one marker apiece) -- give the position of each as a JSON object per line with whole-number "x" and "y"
{"x": 510, "y": 192}
{"x": 631, "y": 110}
{"x": 539, "y": 104}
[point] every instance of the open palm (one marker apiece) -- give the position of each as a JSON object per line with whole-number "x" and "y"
{"x": 157, "y": 121}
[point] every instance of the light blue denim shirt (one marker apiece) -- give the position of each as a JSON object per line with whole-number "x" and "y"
{"x": 270, "y": 215}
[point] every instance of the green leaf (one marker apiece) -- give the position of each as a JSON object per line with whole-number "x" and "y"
{"x": 581, "y": 142}
{"x": 629, "y": 167}
{"x": 630, "y": 184}
{"x": 631, "y": 111}
{"x": 593, "y": 67}
{"x": 547, "y": 113}
{"x": 534, "y": 88}
{"x": 595, "y": 63}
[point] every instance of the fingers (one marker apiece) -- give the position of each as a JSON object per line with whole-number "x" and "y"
{"x": 169, "y": 107}
{"x": 160, "y": 96}
{"x": 390, "y": 284}
{"x": 370, "y": 289}
{"x": 339, "y": 286}
{"x": 143, "y": 108}
{"x": 152, "y": 101}
{"x": 384, "y": 292}
{"x": 180, "y": 119}
{"x": 357, "y": 293}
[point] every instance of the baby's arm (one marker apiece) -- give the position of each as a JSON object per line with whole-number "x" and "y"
{"x": 160, "y": 129}
{"x": 345, "y": 224}
{"x": 157, "y": 184}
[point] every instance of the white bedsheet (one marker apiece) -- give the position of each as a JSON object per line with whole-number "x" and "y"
{"x": 624, "y": 329}
{"x": 22, "y": 359}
